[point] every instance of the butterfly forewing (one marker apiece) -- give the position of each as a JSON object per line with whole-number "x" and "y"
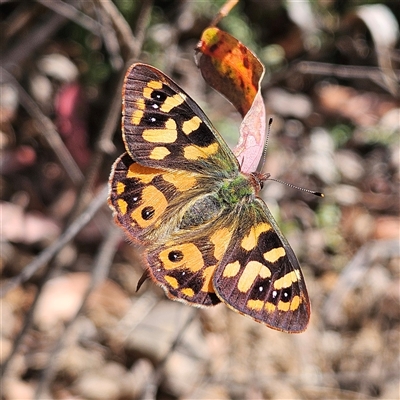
{"x": 164, "y": 128}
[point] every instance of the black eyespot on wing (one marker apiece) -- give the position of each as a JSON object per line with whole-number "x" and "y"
{"x": 159, "y": 96}
{"x": 259, "y": 290}
{"x": 175, "y": 256}
{"x": 286, "y": 294}
{"x": 148, "y": 213}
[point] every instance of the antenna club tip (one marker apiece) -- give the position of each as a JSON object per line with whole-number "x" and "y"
{"x": 319, "y": 194}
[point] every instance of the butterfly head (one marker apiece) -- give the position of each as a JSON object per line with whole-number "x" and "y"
{"x": 257, "y": 179}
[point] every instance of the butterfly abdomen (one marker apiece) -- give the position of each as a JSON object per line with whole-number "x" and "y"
{"x": 204, "y": 210}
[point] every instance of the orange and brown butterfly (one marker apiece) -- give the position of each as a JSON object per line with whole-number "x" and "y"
{"x": 180, "y": 193}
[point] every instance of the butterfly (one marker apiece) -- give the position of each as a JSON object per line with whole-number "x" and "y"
{"x": 179, "y": 192}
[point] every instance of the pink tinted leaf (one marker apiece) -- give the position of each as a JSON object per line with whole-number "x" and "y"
{"x": 233, "y": 70}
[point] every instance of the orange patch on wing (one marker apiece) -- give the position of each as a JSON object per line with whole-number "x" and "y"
{"x": 172, "y": 102}
{"x": 181, "y": 181}
{"x": 151, "y": 86}
{"x": 120, "y": 188}
{"x": 137, "y": 116}
{"x": 220, "y": 239}
{"x": 122, "y": 205}
{"x": 159, "y": 153}
{"x": 188, "y": 292}
{"x": 256, "y": 305}
{"x": 231, "y": 269}
{"x": 168, "y": 134}
{"x": 171, "y": 281}
{"x": 294, "y": 304}
{"x": 208, "y": 274}
{"x": 274, "y": 254}
{"x": 283, "y": 306}
{"x": 191, "y": 125}
{"x": 144, "y": 174}
{"x": 252, "y": 270}
{"x": 269, "y": 307}
{"x": 152, "y": 199}
{"x": 196, "y": 152}
{"x": 189, "y": 257}
{"x": 250, "y": 241}
{"x": 287, "y": 280}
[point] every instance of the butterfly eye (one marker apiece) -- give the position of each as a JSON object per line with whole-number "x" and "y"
{"x": 175, "y": 256}
{"x": 148, "y": 213}
{"x": 159, "y": 96}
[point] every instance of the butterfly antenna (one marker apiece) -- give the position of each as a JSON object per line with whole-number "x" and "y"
{"x": 315, "y": 193}
{"x": 264, "y": 153}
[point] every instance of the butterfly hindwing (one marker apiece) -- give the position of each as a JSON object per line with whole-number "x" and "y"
{"x": 185, "y": 270}
{"x": 185, "y": 266}
{"x": 153, "y": 208}
{"x": 260, "y": 275}
{"x": 145, "y": 199}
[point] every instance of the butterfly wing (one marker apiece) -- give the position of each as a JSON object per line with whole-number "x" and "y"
{"x": 164, "y": 128}
{"x": 177, "y": 191}
{"x": 175, "y": 215}
{"x": 184, "y": 267}
{"x": 259, "y": 274}
{"x": 149, "y": 203}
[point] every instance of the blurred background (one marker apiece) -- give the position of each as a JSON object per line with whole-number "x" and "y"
{"x": 73, "y": 325}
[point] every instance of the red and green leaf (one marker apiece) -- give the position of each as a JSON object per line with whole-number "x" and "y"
{"x": 232, "y": 69}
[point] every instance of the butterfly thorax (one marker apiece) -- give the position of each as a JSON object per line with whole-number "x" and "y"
{"x": 235, "y": 190}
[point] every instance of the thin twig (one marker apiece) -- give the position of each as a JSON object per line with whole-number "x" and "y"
{"x": 47, "y": 128}
{"x": 155, "y": 379}
{"x": 104, "y": 143}
{"x": 345, "y": 71}
{"x": 110, "y": 40}
{"x": 100, "y": 271}
{"x": 32, "y": 40}
{"x": 45, "y": 257}
{"x": 49, "y": 252}
{"x": 224, "y": 11}
{"x": 141, "y": 26}
{"x": 73, "y": 14}
{"x": 125, "y": 35}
